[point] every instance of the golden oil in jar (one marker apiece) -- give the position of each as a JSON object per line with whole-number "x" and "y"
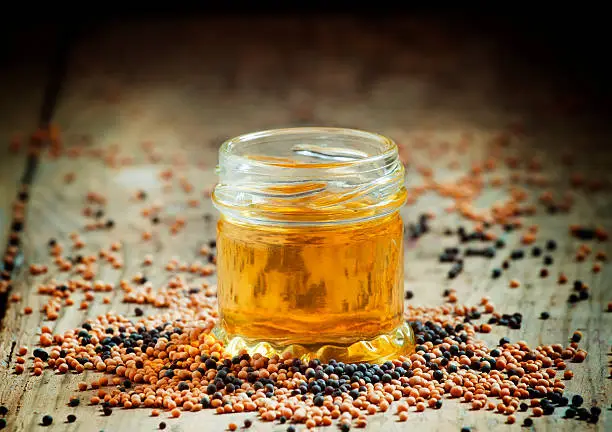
{"x": 310, "y": 245}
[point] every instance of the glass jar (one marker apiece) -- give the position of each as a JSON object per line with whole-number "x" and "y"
{"x": 310, "y": 245}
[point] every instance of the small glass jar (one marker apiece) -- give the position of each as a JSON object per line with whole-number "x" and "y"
{"x": 310, "y": 245}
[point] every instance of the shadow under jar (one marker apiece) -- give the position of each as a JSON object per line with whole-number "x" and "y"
{"x": 310, "y": 245}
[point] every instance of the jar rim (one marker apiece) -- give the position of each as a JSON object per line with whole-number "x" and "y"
{"x": 388, "y": 146}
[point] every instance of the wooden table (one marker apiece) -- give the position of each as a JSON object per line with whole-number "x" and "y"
{"x": 187, "y": 85}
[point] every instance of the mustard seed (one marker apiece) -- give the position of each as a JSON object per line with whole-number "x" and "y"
{"x": 576, "y": 337}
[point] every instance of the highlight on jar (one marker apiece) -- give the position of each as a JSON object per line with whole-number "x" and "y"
{"x": 310, "y": 245}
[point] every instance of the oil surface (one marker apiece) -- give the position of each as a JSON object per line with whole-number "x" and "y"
{"x": 333, "y": 290}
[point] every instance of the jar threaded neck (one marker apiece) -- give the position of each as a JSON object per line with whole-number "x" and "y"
{"x": 309, "y": 175}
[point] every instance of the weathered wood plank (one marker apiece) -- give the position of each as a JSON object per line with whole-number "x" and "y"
{"x": 21, "y": 86}
{"x": 132, "y": 83}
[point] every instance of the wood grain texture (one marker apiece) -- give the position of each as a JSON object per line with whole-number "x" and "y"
{"x": 177, "y": 85}
{"x": 21, "y": 88}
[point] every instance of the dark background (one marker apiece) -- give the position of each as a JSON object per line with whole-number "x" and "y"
{"x": 569, "y": 47}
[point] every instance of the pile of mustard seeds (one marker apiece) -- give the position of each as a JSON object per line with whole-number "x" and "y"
{"x": 169, "y": 363}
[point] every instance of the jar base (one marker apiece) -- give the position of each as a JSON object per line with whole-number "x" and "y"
{"x": 384, "y": 347}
